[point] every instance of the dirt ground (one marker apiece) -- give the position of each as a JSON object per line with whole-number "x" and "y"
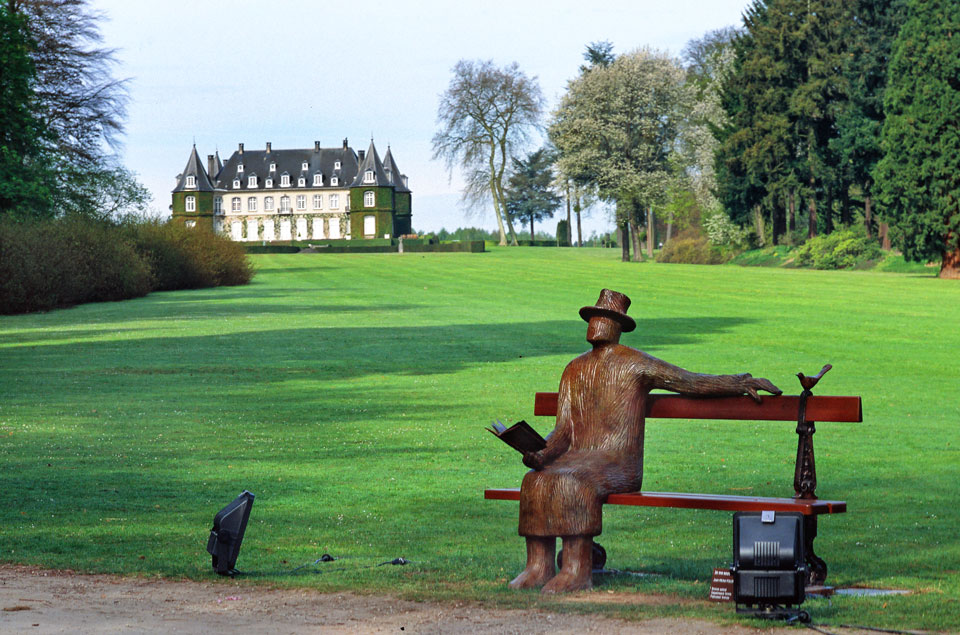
{"x": 41, "y": 601}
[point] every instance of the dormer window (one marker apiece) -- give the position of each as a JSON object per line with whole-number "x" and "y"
{"x": 318, "y": 179}
{"x": 304, "y": 166}
{"x": 301, "y": 182}
{"x": 236, "y": 184}
{"x": 252, "y": 181}
{"x": 268, "y": 183}
{"x": 273, "y": 167}
{"x": 334, "y": 180}
{"x": 336, "y": 165}
{"x": 191, "y": 181}
{"x": 284, "y": 180}
{"x": 368, "y": 176}
{"x": 239, "y": 167}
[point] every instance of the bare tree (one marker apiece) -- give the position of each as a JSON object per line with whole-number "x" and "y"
{"x": 486, "y": 114}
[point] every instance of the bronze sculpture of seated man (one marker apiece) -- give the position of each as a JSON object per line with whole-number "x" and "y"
{"x": 596, "y": 448}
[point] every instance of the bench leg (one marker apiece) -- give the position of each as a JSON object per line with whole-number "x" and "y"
{"x": 816, "y": 567}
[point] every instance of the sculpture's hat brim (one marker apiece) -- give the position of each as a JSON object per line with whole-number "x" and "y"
{"x": 626, "y": 322}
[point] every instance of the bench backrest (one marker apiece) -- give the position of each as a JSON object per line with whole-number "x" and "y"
{"x": 770, "y": 408}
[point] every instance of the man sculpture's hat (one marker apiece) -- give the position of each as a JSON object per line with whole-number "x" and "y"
{"x": 611, "y": 305}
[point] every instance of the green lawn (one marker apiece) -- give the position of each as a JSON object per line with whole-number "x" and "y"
{"x": 350, "y": 392}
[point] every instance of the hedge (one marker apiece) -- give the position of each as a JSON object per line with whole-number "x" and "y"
{"x": 58, "y": 263}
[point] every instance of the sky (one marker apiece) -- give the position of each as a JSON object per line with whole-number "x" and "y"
{"x": 219, "y": 73}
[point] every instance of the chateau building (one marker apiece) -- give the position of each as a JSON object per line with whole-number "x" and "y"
{"x": 278, "y": 195}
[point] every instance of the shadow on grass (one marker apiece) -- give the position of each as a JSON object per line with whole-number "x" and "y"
{"x": 277, "y": 354}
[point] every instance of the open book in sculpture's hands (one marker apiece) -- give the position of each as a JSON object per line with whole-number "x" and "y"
{"x": 520, "y": 436}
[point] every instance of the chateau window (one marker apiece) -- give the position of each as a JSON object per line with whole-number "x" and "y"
{"x": 369, "y": 198}
{"x": 334, "y": 180}
{"x": 369, "y": 225}
{"x": 268, "y": 203}
{"x": 235, "y": 204}
{"x": 336, "y": 165}
{"x": 334, "y": 201}
{"x": 304, "y": 166}
{"x": 301, "y": 202}
{"x": 269, "y": 183}
{"x": 284, "y": 180}
{"x": 318, "y": 179}
{"x": 191, "y": 181}
{"x": 218, "y": 205}
{"x": 252, "y": 204}
{"x": 301, "y": 182}
{"x": 284, "y": 203}
{"x": 252, "y": 181}
{"x": 368, "y": 176}
{"x": 236, "y": 184}
{"x": 317, "y": 201}
{"x": 191, "y": 204}
{"x": 273, "y": 167}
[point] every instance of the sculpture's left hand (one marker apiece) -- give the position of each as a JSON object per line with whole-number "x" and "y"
{"x": 752, "y": 384}
{"x": 533, "y": 460}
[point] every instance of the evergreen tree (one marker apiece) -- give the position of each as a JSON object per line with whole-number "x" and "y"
{"x": 873, "y": 26}
{"x": 782, "y": 101}
{"x": 758, "y": 161}
{"x": 529, "y": 196}
{"x": 919, "y": 174}
{"x": 25, "y": 173}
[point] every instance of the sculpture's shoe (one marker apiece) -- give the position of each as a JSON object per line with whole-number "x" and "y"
{"x": 531, "y": 579}
{"x": 566, "y": 582}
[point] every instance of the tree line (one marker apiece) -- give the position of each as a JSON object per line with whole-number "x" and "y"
{"x": 810, "y": 116}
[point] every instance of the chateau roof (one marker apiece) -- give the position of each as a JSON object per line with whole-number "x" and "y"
{"x": 393, "y": 172}
{"x": 371, "y": 163}
{"x": 257, "y": 162}
{"x": 194, "y": 168}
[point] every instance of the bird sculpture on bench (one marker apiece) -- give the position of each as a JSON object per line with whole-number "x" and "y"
{"x": 596, "y": 448}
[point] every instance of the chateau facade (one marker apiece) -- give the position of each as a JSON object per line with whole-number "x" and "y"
{"x": 279, "y": 195}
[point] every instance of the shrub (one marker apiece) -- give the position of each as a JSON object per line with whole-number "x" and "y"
{"x": 563, "y": 228}
{"x": 692, "y": 249}
{"x": 842, "y": 249}
{"x": 189, "y": 258}
{"x": 58, "y": 263}
{"x": 723, "y": 232}
{"x": 50, "y": 264}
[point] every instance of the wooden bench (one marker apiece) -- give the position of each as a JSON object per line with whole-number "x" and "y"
{"x": 805, "y": 408}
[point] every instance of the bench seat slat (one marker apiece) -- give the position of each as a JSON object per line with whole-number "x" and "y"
{"x": 702, "y": 501}
{"x": 770, "y": 408}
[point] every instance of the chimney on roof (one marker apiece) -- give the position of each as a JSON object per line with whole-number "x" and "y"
{"x": 344, "y": 143}
{"x": 360, "y": 154}
{"x": 316, "y": 146}
{"x": 268, "y": 147}
{"x": 241, "y": 148}
{"x": 211, "y": 166}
